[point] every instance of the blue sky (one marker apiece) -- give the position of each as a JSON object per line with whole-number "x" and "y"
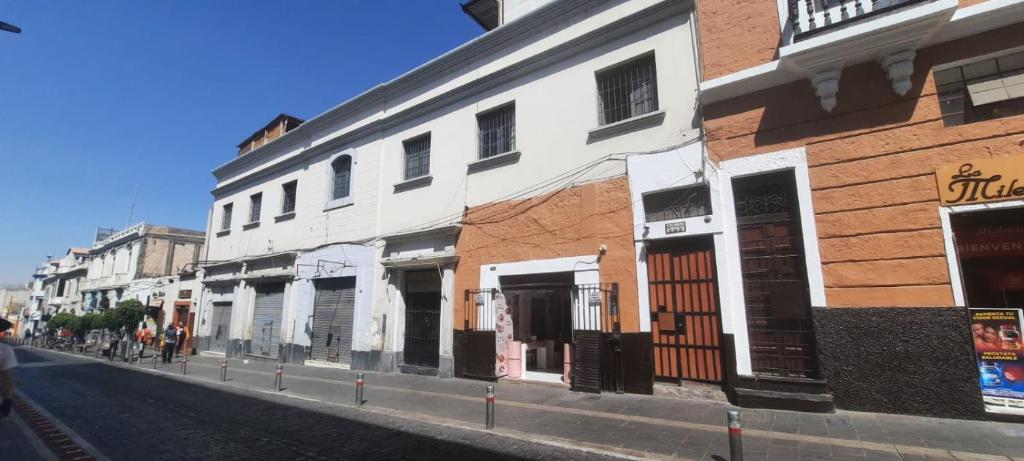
{"x": 98, "y": 97}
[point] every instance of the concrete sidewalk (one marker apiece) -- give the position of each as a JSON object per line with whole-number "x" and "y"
{"x": 631, "y": 425}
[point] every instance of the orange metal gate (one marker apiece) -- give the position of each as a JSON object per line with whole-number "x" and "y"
{"x": 685, "y": 319}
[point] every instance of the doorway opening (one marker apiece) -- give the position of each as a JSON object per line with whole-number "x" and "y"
{"x": 990, "y": 247}
{"x": 541, "y": 306}
{"x": 422, "y": 295}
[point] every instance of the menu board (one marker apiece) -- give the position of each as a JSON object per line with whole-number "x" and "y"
{"x": 502, "y": 335}
{"x": 999, "y": 349}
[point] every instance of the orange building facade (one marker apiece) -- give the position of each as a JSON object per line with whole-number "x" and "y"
{"x": 909, "y": 119}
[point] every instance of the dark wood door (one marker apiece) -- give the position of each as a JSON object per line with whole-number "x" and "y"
{"x": 685, "y": 319}
{"x": 422, "y": 329}
{"x": 774, "y": 276}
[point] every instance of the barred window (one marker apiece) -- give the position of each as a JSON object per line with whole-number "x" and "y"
{"x": 684, "y": 202}
{"x": 342, "y": 168}
{"x": 628, "y": 90}
{"x": 255, "y": 206}
{"x": 983, "y": 90}
{"x": 417, "y": 156}
{"x": 497, "y": 131}
{"x": 225, "y": 217}
{"x": 288, "y": 200}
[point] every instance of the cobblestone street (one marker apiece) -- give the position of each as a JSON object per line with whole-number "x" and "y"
{"x": 125, "y": 414}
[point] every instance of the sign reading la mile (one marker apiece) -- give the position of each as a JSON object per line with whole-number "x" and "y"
{"x": 981, "y": 181}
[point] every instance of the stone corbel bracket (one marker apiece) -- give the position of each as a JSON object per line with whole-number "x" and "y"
{"x": 899, "y": 67}
{"x": 826, "y": 86}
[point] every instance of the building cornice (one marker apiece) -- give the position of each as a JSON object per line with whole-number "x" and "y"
{"x": 491, "y": 42}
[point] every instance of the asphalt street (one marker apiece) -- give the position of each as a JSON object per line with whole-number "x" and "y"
{"x": 131, "y": 415}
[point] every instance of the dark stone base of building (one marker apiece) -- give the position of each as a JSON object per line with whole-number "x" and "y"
{"x": 916, "y": 361}
{"x": 365, "y": 360}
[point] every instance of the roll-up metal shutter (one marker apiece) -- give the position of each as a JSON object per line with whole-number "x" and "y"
{"x": 333, "y": 311}
{"x": 221, "y": 327}
{"x": 266, "y": 325}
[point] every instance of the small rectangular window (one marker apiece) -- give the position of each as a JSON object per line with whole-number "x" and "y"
{"x": 255, "y": 204}
{"x": 497, "y": 131}
{"x": 684, "y": 202}
{"x": 982, "y": 90}
{"x": 225, "y": 217}
{"x": 628, "y": 90}
{"x": 417, "y": 156}
{"x": 288, "y": 199}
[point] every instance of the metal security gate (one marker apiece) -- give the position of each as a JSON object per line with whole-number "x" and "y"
{"x": 220, "y": 326}
{"x": 774, "y": 276}
{"x": 266, "y": 320}
{"x": 422, "y": 318}
{"x": 333, "y": 311}
{"x": 685, "y": 318}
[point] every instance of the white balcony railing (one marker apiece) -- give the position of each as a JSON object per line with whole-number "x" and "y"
{"x": 810, "y": 17}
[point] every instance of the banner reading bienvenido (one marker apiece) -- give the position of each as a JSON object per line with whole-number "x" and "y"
{"x": 502, "y": 335}
{"x": 1000, "y": 353}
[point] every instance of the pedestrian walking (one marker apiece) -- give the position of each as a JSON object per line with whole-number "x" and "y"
{"x": 143, "y": 336}
{"x": 181, "y": 337}
{"x": 170, "y": 340}
{"x": 7, "y": 363}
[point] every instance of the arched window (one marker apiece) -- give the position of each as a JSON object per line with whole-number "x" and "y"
{"x": 342, "y": 169}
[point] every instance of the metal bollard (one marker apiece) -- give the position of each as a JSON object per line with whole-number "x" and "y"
{"x": 223, "y": 371}
{"x": 735, "y": 436}
{"x": 98, "y": 350}
{"x": 490, "y": 407}
{"x": 154, "y": 361}
{"x": 277, "y": 377}
{"x": 184, "y": 366}
{"x": 359, "y": 389}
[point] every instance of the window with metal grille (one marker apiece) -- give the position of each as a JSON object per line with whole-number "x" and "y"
{"x": 684, "y": 202}
{"x": 225, "y": 217}
{"x": 497, "y": 131}
{"x": 342, "y": 167}
{"x": 288, "y": 200}
{"x": 417, "y": 156}
{"x": 984, "y": 90}
{"x": 255, "y": 205}
{"x": 628, "y": 90}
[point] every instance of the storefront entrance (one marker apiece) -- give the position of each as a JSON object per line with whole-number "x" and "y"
{"x": 990, "y": 247}
{"x": 266, "y": 325}
{"x": 541, "y": 307}
{"x": 221, "y": 326}
{"x": 333, "y": 312}
{"x": 685, "y": 316}
{"x": 422, "y": 318}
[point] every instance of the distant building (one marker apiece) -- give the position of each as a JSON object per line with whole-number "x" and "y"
{"x": 12, "y": 302}
{"x": 61, "y": 286}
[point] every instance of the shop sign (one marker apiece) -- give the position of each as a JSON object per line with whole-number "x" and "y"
{"x": 990, "y": 240}
{"x": 981, "y": 181}
{"x": 184, "y": 294}
{"x": 502, "y": 335}
{"x": 999, "y": 349}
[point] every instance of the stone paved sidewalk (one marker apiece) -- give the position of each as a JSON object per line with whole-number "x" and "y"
{"x": 632, "y": 425}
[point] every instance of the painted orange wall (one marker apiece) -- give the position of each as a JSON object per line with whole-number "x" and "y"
{"x": 736, "y": 34}
{"x": 872, "y": 166}
{"x": 572, "y": 222}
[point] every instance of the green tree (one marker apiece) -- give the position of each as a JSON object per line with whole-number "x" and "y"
{"x": 61, "y": 320}
{"x": 127, "y": 314}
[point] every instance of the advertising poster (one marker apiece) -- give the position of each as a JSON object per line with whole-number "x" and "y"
{"x": 502, "y": 335}
{"x": 1000, "y": 353}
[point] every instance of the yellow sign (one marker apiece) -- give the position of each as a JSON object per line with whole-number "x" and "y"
{"x": 981, "y": 181}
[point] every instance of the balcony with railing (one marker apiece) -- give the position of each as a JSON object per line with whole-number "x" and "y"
{"x": 813, "y": 17}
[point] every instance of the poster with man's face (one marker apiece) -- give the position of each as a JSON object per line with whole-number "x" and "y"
{"x": 999, "y": 348}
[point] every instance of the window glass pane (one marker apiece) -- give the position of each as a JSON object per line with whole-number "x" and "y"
{"x": 255, "y": 204}
{"x": 980, "y": 69}
{"x": 677, "y": 203}
{"x": 417, "y": 157}
{"x": 342, "y": 176}
{"x": 943, "y": 77}
{"x": 497, "y": 131}
{"x": 225, "y": 222}
{"x": 288, "y": 204}
{"x": 628, "y": 90}
{"x": 1011, "y": 62}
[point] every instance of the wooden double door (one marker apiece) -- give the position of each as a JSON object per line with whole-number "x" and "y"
{"x": 685, "y": 317}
